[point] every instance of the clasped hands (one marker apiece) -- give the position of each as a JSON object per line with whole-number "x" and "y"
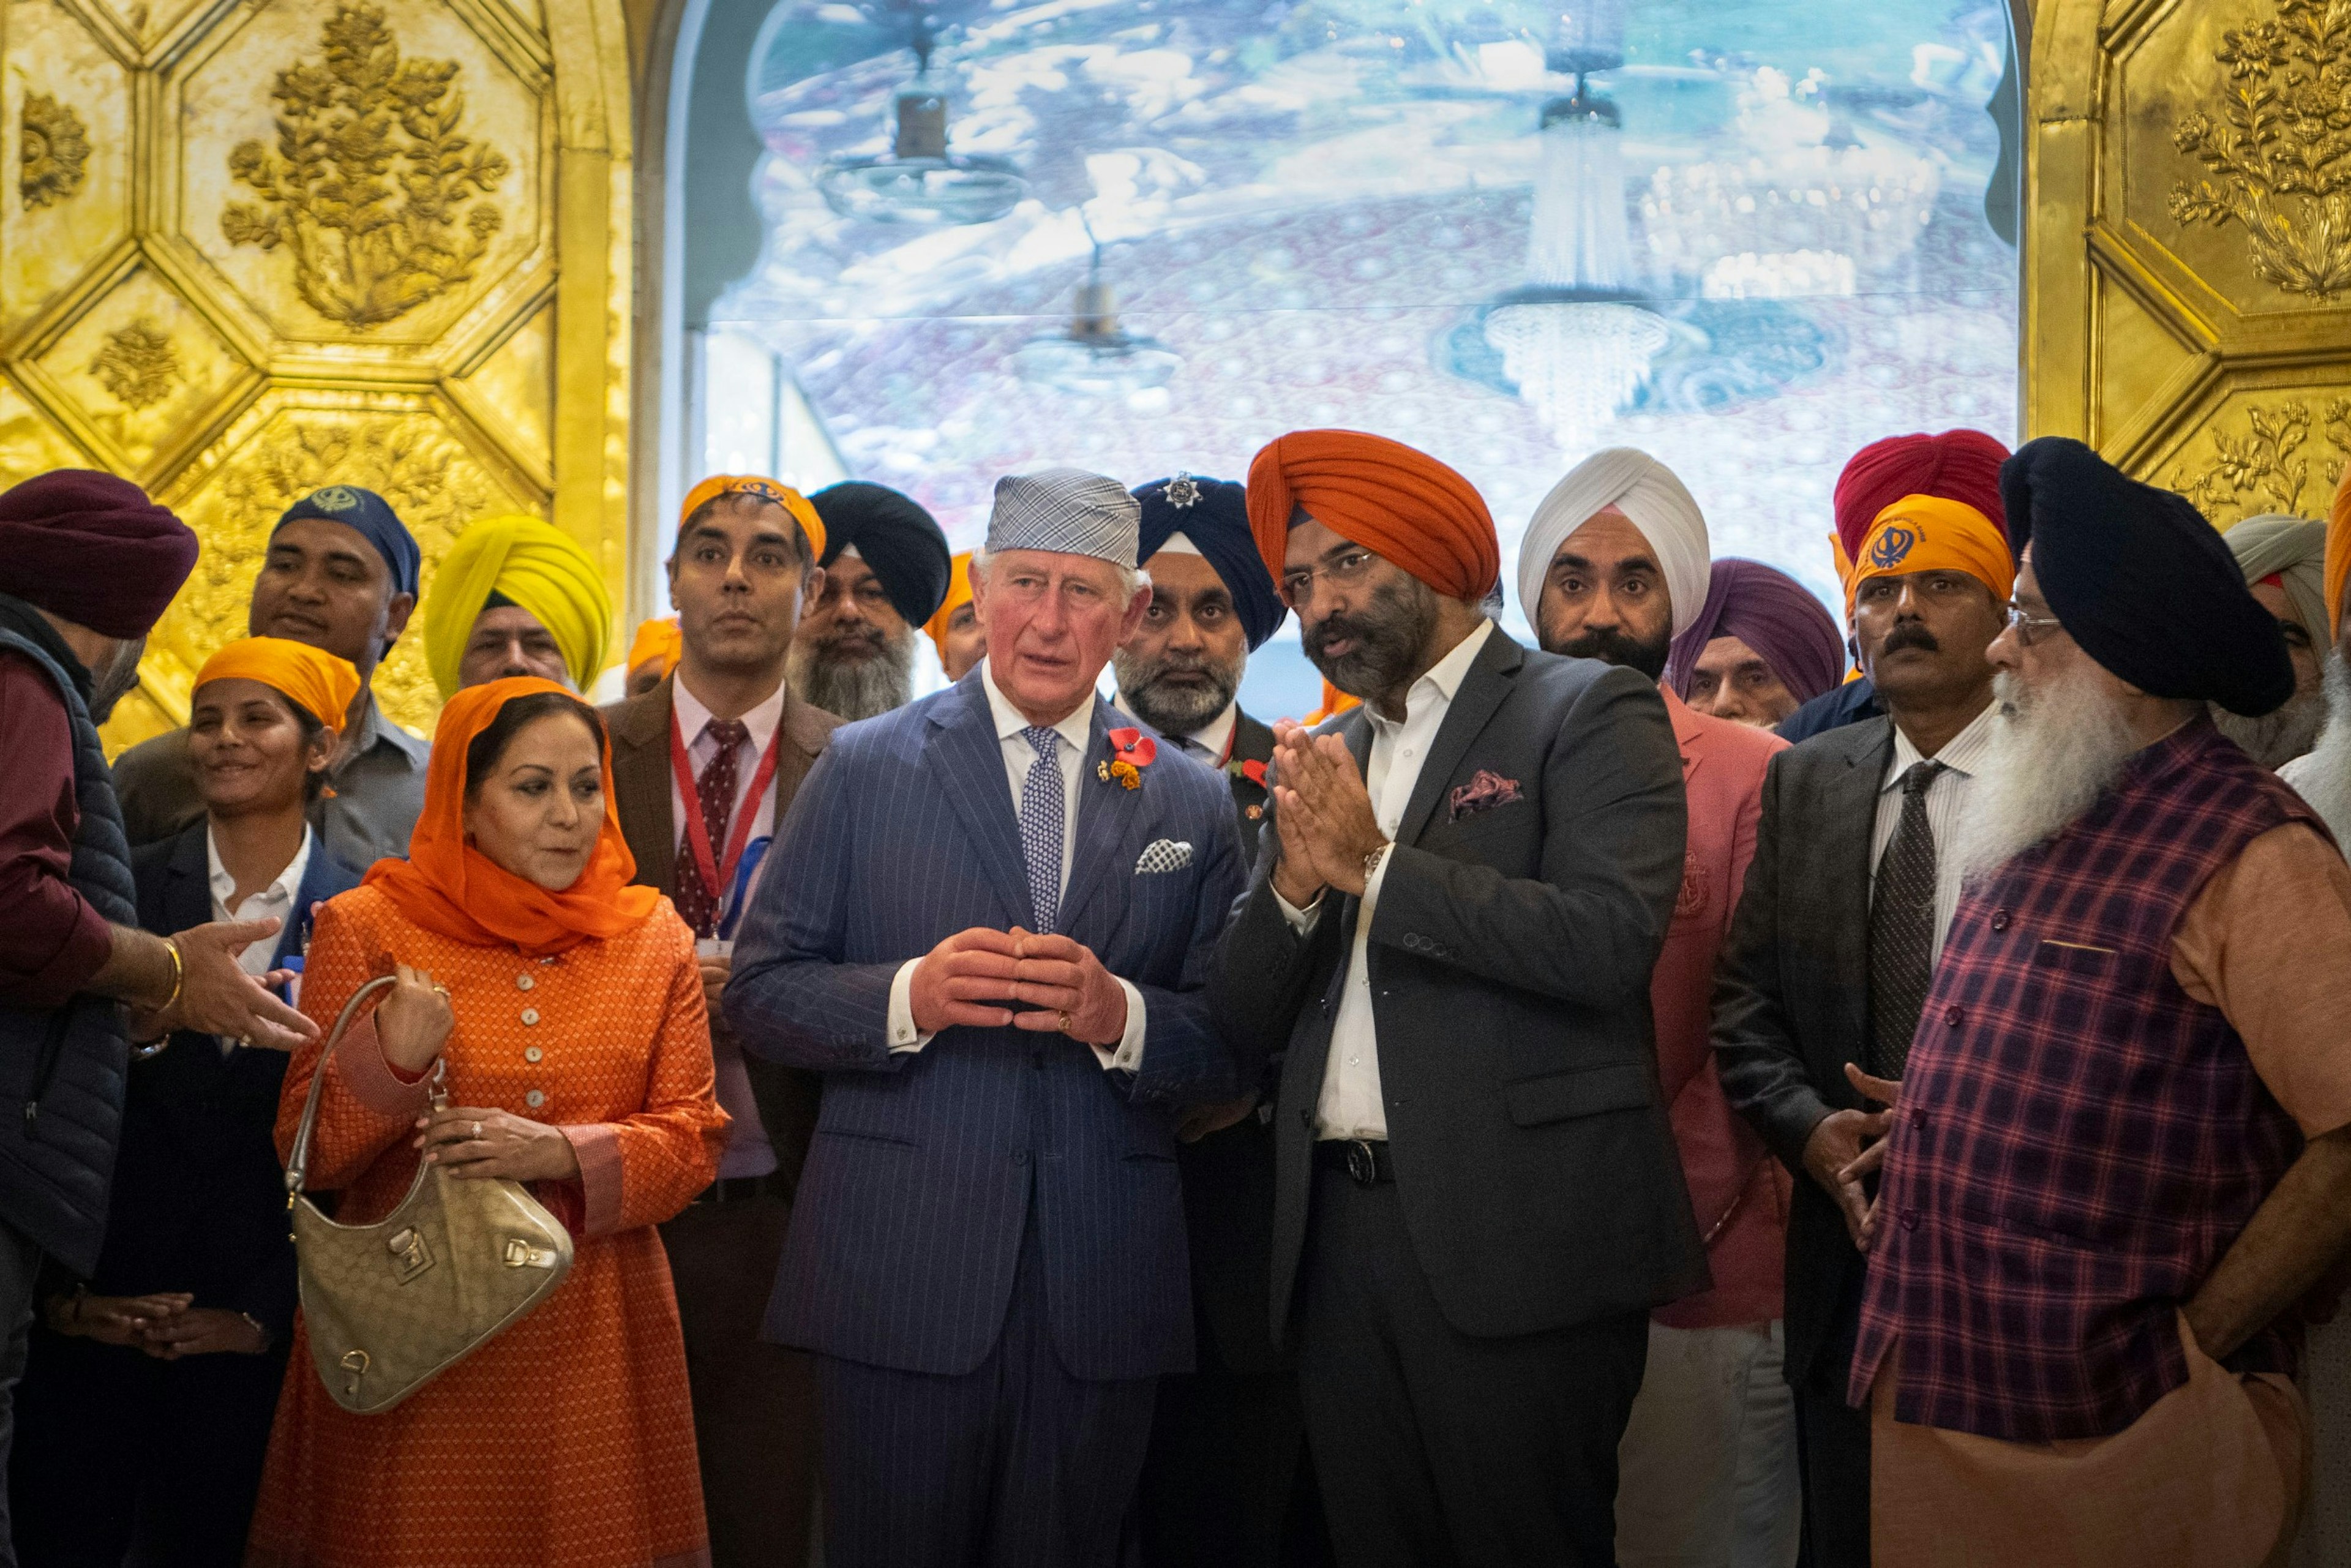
{"x": 167, "y": 1324}
{"x": 968, "y": 980}
{"x": 1322, "y": 815}
{"x": 1847, "y": 1145}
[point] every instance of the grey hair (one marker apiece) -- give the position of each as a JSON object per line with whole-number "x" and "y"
{"x": 1132, "y": 580}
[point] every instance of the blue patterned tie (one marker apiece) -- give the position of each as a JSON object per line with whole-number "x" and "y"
{"x": 1041, "y": 811}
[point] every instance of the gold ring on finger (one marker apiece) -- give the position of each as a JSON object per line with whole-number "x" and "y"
{"x": 1065, "y": 1023}
{"x": 478, "y": 1129}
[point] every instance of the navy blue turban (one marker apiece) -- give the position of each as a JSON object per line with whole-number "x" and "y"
{"x": 2142, "y": 582}
{"x": 894, "y": 535}
{"x": 1214, "y": 515}
{"x": 372, "y": 518}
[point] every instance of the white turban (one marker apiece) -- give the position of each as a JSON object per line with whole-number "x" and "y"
{"x": 1646, "y": 491}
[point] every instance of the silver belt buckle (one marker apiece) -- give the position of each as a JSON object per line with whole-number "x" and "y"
{"x": 1362, "y": 1163}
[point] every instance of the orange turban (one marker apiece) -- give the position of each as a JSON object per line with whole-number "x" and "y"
{"x": 1405, "y": 505}
{"x": 656, "y": 639}
{"x": 2338, "y": 550}
{"x": 959, "y": 595}
{"x": 782, "y": 495}
{"x": 1927, "y": 533}
{"x": 452, "y": 889}
{"x": 321, "y": 685}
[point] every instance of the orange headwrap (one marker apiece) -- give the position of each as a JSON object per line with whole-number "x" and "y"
{"x": 959, "y": 595}
{"x": 2338, "y": 550}
{"x": 1405, "y": 505}
{"x": 1927, "y": 533}
{"x": 1334, "y": 703}
{"x": 321, "y": 682}
{"x": 782, "y": 495}
{"x": 452, "y": 889}
{"x": 656, "y": 639}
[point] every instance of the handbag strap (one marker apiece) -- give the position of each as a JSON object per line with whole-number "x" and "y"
{"x": 299, "y": 1157}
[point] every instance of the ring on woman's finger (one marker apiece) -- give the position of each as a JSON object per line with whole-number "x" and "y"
{"x": 441, "y": 991}
{"x": 478, "y": 1129}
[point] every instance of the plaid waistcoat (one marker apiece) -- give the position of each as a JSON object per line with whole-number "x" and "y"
{"x": 2078, "y": 1141}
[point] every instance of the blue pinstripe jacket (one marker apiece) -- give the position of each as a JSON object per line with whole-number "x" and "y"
{"x": 920, "y": 1176}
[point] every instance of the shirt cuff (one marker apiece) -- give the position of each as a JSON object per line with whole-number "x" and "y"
{"x": 1301, "y": 921}
{"x": 597, "y": 1146}
{"x": 373, "y": 1082}
{"x": 903, "y": 1035}
{"x": 1128, "y": 1057}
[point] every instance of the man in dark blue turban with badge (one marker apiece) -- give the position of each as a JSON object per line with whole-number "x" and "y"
{"x": 1226, "y": 1482}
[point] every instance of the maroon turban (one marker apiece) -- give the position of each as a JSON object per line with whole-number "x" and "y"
{"x": 1772, "y": 613}
{"x": 93, "y": 550}
{"x": 1958, "y": 465}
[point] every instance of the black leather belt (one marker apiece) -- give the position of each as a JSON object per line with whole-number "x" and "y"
{"x": 1365, "y": 1160}
{"x": 737, "y": 1189}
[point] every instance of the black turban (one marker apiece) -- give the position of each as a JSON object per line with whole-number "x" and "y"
{"x": 93, "y": 550}
{"x": 1214, "y": 515}
{"x": 2142, "y": 582}
{"x": 894, "y": 536}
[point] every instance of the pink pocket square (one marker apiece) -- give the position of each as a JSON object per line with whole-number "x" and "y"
{"x": 1483, "y": 793}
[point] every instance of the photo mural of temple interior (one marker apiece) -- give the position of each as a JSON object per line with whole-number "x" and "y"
{"x": 258, "y": 249}
{"x": 1145, "y": 234}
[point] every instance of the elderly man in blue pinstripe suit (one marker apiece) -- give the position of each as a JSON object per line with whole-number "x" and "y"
{"x": 988, "y": 925}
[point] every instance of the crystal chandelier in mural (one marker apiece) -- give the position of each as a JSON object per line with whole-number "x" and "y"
{"x": 1094, "y": 356}
{"x": 919, "y": 182}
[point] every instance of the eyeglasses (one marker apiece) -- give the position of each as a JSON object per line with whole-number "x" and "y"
{"x": 2024, "y": 623}
{"x": 1297, "y": 586}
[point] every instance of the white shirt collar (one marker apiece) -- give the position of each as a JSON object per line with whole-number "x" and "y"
{"x": 1442, "y": 679}
{"x": 1076, "y": 726}
{"x": 694, "y": 716}
{"x": 284, "y": 890}
{"x": 1963, "y": 753}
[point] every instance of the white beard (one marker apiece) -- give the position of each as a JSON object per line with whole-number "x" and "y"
{"x": 2053, "y": 753}
{"x": 2323, "y": 775}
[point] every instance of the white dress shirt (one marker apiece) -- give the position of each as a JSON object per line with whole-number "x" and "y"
{"x": 275, "y": 902}
{"x": 701, "y": 750}
{"x": 1071, "y": 735}
{"x": 1962, "y": 758}
{"x": 1350, "y": 1106}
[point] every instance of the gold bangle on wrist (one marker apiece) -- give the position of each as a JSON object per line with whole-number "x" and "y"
{"x": 179, "y": 972}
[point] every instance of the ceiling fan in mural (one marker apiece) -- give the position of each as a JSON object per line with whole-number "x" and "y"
{"x": 919, "y": 183}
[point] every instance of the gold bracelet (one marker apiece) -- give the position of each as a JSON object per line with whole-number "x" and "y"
{"x": 179, "y": 972}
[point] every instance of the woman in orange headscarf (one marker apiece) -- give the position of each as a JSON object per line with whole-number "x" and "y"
{"x": 565, "y": 1008}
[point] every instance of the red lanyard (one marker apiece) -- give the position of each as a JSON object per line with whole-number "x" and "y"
{"x": 717, "y": 878}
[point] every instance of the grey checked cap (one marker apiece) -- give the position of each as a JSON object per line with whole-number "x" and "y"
{"x": 1067, "y": 510}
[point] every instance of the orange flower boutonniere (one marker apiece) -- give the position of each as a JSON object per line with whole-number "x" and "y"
{"x": 1131, "y": 752}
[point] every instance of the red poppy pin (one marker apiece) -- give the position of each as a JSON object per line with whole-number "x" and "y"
{"x": 1131, "y": 752}
{"x": 1253, "y": 770}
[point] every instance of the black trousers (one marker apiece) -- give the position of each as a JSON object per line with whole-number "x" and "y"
{"x": 1437, "y": 1449}
{"x": 124, "y": 1459}
{"x": 1833, "y": 1447}
{"x": 1227, "y": 1483}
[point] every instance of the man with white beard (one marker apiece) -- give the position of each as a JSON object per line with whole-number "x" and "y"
{"x": 2121, "y": 1150}
{"x": 2281, "y": 557}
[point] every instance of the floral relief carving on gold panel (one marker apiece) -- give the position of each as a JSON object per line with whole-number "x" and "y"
{"x": 2267, "y": 469}
{"x": 2278, "y": 151}
{"x": 374, "y": 186}
{"x": 412, "y": 461}
{"x": 52, "y": 152}
{"x": 138, "y": 364}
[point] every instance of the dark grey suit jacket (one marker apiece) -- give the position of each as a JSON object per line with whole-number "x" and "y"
{"x": 1510, "y": 957}
{"x": 1792, "y": 997}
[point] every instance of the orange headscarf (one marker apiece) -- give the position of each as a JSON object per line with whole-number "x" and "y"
{"x": 2338, "y": 550}
{"x": 453, "y": 890}
{"x": 1405, "y": 505}
{"x": 1930, "y": 533}
{"x": 959, "y": 595}
{"x": 656, "y": 639}
{"x": 321, "y": 682}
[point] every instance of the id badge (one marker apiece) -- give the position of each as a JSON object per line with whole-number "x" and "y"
{"x": 713, "y": 948}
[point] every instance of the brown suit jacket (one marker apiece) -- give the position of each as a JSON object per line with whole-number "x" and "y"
{"x": 641, "y": 779}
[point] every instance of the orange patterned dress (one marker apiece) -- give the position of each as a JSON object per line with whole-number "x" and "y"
{"x": 569, "y": 1439}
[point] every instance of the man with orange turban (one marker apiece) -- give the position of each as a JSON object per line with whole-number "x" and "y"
{"x": 955, "y": 627}
{"x": 653, "y": 653}
{"x": 1465, "y": 1249}
{"x": 1959, "y": 466}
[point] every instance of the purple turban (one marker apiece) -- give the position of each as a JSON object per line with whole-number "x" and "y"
{"x": 92, "y": 549}
{"x": 1772, "y": 613}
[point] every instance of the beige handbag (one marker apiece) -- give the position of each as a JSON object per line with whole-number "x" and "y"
{"x": 390, "y": 1306}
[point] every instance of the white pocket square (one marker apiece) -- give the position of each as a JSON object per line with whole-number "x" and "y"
{"x": 1163, "y": 854}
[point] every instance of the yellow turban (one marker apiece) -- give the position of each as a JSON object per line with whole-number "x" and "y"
{"x": 656, "y": 639}
{"x": 1928, "y": 533}
{"x": 959, "y": 595}
{"x": 315, "y": 680}
{"x": 541, "y": 569}
{"x": 2338, "y": 550}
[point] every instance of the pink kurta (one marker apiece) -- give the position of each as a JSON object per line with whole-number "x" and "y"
{"x": 569, "y": 1439}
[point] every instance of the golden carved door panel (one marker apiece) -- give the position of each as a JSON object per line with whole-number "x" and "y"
{"x": 254, "y": 249}
{"x": 2188, "y": 296}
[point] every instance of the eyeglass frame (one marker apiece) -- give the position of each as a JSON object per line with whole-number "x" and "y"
{"x": 1349, "y": 567}
{"x": 2022, "y": 622}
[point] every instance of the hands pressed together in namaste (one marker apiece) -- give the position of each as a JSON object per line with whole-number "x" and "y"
{"x": 1323, "y": 815}
{"x": 969, "y": 979}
